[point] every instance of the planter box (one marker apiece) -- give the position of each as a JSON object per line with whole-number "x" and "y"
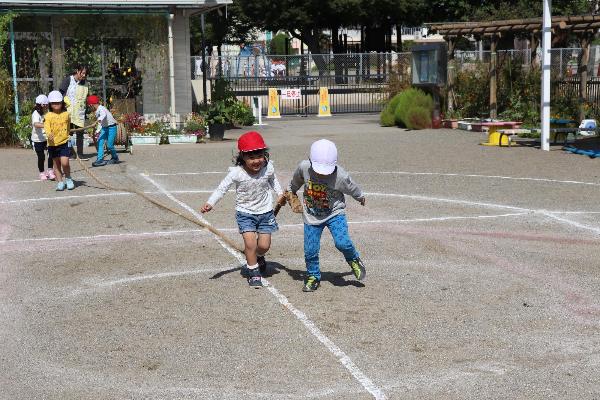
{"x": 135, "y": 139}
{"x": 178, "y": 139}
{"x": 450, "y": 123}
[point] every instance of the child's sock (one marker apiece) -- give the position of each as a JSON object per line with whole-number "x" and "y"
{"x": 251, "y": 267}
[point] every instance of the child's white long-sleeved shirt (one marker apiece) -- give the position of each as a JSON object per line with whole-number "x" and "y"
{"x": 253, "y": 192}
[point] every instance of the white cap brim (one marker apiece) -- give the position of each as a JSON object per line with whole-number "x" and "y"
{"x": 323, "y": 169}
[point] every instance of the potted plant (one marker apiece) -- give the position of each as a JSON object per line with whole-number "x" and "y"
{"x": 451, "y": 120}
{"x": 216, "y": 116}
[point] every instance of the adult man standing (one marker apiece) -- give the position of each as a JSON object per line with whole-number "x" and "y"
{"x": 75, "y": 90}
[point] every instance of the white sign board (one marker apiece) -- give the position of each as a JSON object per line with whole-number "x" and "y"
{"x": 291, "y": 94}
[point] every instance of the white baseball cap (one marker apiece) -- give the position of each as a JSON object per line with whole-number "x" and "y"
{"x": 55, "y": 97}
{"x": 323, "y": 156}
{"x": 41, "y": 99}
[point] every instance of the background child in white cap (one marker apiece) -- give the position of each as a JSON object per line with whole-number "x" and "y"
{"x": 38, "y": 137}
{"x": 324, "y": 204}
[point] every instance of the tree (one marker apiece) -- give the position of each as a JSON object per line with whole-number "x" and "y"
{"x": 222, "y": 27}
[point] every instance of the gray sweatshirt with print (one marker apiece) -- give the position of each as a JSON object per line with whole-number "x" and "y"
{"x": 323, "y": 196}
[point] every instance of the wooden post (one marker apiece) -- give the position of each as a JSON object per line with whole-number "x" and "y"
{"x": 535, "y": 42}
{"x": 451, "y": 75}
{"x": 493, "y": 78}
{"x": 58, "y": 60}
{"x": 585, "y": 40}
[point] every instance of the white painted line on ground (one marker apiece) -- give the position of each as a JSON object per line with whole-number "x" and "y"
{"x": 16, "y": 182}
{"x": 16, "y": 201}
{"x": 124, "y": 281}
{"x": 332, "y": 347}
{"x": 81, "y": 196}
{"x": 478, "y": 176}
{"x": 101, "y": 236}
{"x": 444, "y": 200}
{"x": 570, "y": 222}
{"x": 181, "y": 232}
{"x": 433, "y": 219}
{"x": 335, "y": 350}
{"x": 189, "y": 173}
{"x": 196, "y": 214}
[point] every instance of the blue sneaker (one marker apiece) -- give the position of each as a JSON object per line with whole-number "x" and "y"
{"x": 245, "y": 272}
{"x": 262, "y": 264}
{"x": 99, "y": 163}
{"x": 70, "y": 183}
{"x": 60, "y": 186}
{"x": 254, "y": 278}
{"x": 113, "y": 161}
{"x": 311, "y": 284}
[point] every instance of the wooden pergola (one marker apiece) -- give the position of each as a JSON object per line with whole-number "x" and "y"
{"x": 583, "y": 26}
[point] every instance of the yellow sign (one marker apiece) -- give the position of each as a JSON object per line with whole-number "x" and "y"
{"x": 324, "y": 108}
{"x": 273, "y": 111}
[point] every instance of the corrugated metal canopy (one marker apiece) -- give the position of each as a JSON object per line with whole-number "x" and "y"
{"x": 115, "y": 4}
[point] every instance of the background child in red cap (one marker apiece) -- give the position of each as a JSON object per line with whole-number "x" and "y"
{"x": 107, "y": 129}
{"x": 324, "y": 205}
{"x": 254, "y": 178}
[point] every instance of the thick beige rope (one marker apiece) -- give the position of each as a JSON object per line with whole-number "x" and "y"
{"x": 194, "y": 220}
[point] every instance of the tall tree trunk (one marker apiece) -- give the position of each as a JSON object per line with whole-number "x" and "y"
{"x": 585, "y": 40}
{"x": 311, "y": 38}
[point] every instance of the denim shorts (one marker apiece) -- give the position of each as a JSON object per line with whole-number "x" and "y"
{"x": 62, "y": 150}
{"x": 261, "y": 223}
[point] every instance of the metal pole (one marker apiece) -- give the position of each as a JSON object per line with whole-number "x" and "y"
{"x": 171, "y": 71}
{"x": 202, "y": 43}
{"x": 14, "y": 69}
{"x": 103, "y": 58}
{"x": 546, "y": 46}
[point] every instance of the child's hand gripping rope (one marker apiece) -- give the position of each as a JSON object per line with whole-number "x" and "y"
{"x": 281, "y": 200}
{"x": 294, "y": 202}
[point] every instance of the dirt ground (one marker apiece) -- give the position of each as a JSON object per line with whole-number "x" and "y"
{"x": 482, "y": 276}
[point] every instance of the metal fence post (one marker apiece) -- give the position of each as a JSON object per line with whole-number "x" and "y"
{"x": 360, "y": 68}
{"x": 14, "y": 69}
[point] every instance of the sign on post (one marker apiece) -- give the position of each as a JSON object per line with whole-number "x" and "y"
{"x": 273, "y": 111}
{"x": 291, "y": 94}
{"x": 324, "y": 108}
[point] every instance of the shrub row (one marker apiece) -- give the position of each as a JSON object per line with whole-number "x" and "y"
{"x": 411, "y": 108}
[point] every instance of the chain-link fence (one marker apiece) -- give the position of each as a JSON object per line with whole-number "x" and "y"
{"x": 353, "y": 66}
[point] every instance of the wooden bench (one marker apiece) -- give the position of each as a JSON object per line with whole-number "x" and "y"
{"x": 557, "y": 133}
{"x": 510, "y": 134}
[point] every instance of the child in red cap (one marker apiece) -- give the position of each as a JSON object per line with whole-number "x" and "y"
{"x": 255, "y": 179}
{"x": 107, "y": 130}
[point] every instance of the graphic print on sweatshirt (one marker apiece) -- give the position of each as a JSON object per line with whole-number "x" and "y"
{"x": 317, "y": 198}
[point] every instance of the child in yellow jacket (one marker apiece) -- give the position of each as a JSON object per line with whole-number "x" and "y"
{"x": 56, "y": 126}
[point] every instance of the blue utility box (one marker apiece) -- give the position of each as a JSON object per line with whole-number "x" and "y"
{"x": 429, "y": 63}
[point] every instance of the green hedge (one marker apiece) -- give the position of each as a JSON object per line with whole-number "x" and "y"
{"x": 411, "y": 108}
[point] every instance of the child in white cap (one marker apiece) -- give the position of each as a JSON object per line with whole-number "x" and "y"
{"x": 325, "y": 184}
{"x": 38, "y": 137}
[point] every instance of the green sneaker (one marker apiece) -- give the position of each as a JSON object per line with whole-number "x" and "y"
{"x": 311, "y": 284}
{"x": 358, "y": 268}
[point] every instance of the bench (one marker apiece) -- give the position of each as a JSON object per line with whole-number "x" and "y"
{"x": 510, "y": 134}
{"x": 557, "y": 133}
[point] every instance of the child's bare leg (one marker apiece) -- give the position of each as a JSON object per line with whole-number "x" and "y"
{"x": 250, "y": 246}
{"x": 56, "y": 165}
{"x": 64, "y": 162}
{"x": 264, "y": 243}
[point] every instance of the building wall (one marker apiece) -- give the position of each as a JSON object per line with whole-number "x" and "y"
{"x": 155, "y": 80}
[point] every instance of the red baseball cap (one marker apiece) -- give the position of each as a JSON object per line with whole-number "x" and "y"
{"x": 93, "y": 99}
{"x": 251, "y": 141}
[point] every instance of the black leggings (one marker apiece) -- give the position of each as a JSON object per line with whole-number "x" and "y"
{"x": 40, "y": 150}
